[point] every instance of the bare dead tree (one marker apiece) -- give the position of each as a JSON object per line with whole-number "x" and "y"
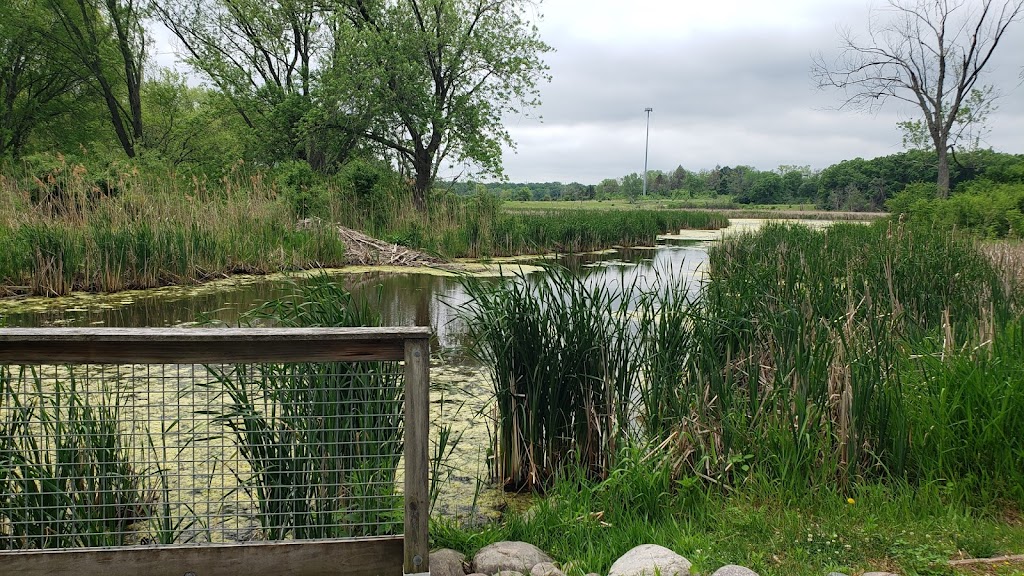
{"x": 927, "y": 53}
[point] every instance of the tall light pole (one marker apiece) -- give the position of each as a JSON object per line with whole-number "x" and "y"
{"x": 647, "y": 140}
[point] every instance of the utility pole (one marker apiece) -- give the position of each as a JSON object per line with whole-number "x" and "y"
{"x": 647, "y": 140}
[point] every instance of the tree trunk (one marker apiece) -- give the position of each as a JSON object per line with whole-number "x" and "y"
{"x": 127, "y": 143}
{"x": 424, "y": 172}
{"x": 943, "y": 181}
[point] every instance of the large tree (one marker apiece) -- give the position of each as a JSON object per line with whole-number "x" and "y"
{"x": 266, "y": 56}
{"x": 929, "y": 54}
{"x": 431, "y": 80}
{"x": 37, "y": 84}
{"x": 107, "y": 40}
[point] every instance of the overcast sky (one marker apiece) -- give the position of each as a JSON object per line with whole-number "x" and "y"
{"x": 729, "y": 83}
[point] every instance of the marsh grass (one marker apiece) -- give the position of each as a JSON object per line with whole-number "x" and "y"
{"x": 811, "y": 358}
{"x": 966, "y": 413}
{"x": 482, "y": 226}
{"x": 814, "y": 359}
{"x": 323, "y": 441}
{"x": 152, "y": 230}
{"x": 569, "y": 357}
{"x": 1008, "y": 258}
{"x": 67, "y": 477}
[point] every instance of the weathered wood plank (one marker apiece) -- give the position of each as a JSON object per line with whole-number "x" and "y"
{"x": 204, "y": 345}
{"x": 188, "y": 334}
{"x": 360, "y": 557}
{"x": 417, "y": 414}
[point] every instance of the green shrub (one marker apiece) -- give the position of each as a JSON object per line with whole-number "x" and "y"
{"x": 301, "y": 188}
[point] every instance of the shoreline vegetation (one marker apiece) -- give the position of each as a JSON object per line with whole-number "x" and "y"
{"x": 842, "y": 400}
{"x": 65, "y": 230}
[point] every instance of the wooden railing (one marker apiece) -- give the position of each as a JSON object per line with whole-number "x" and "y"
{"x": 358, "y": 556}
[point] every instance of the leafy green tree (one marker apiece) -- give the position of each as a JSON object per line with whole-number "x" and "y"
{"x": 255, "y": 51}
{"x": 677, "y": 181}
{"x": 767, "y": 188}
{"x": 37, "y": 84}
{"x": 658, "y": 183}
{"x": 608, "y": 188}
{"x": 930, "y": 54}
{"x": 190, "y": 127}
{"x": 574, "y": 191}
{"x": 265, "y": 57}
{"x": 107, "y": 40}
{"x": 632, "y": 186}
{"x": 431, "y": 80}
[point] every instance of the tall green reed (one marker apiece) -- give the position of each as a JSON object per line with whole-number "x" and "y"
{"x": 568, "y": 357}
{"x": 323, "y": 441}
{"x": 800, "y": 343}
{"x": 67, "y": 477}
{"x": 965, "y": 411}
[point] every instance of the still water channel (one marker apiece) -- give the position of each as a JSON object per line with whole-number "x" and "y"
{"x": 460, "y": 395}
{"x": 416, "y": 298}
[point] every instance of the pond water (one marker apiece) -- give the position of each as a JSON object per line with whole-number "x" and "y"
{"x": 418, "y": 297}
{"x": 460, "y": 396}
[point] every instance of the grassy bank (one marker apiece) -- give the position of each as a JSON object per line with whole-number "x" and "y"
{"x": 877, "y": 363}
{"x": 66, "y": 227}
{"x": 587, "y": 525}
{"x": 483, "y": 227}
{"x": 63, "y": 233}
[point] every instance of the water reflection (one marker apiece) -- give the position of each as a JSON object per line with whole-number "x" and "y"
{"x": 404, "y": 299}
{"x": 460, "y": 391}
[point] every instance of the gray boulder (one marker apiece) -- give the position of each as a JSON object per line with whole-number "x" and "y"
{"x": 734, "y": 570}
{"x": 546, "y": 569}
{"x": 517, "y": 556}
{"x": 650, "y": 560}
{"x": 447, "y": 562}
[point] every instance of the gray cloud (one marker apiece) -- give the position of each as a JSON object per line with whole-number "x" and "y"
{"x": 742, "y": 97}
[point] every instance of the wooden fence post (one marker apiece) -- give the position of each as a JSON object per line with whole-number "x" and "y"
{"x": 417, "y": 414}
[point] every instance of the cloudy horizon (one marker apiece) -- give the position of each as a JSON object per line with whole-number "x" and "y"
{"x": 729, "y": 84}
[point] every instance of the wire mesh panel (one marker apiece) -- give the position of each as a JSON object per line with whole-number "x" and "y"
{"x": 126, "y": 454}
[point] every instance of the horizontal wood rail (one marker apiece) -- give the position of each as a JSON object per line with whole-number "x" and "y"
{"x": 205, "y": 345}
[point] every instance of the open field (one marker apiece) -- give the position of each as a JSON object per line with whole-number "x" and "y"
{"x": 727, "y": 209}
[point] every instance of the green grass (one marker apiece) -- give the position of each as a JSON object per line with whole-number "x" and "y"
{"x": 587, "y": 525}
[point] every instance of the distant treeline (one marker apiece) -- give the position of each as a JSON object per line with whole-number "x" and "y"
{"x": 858, "y": 184}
